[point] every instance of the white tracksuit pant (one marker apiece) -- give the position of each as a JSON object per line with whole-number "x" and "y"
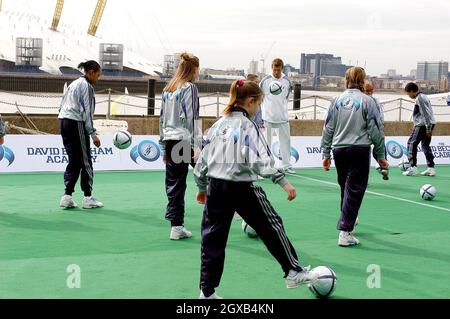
{"x": 282, "y": 130}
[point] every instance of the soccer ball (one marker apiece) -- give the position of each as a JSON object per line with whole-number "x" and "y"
{"x": 248, "y": 230}
{"x": 404, "y": 164}
{"x": 122, "y": 139}
{"x": 275, "y": 88}
{"x": 325, "y": 284}
{"x": 428, "y": 192}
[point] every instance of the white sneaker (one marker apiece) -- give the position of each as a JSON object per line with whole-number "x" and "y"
{"x": 67, "y": 202}
{"x": 295, "y": 278}
{"x": 430, "y": 171}
{"x": 91, "y": 202}
{"x": 213, "y": 296}
{"x": 347, "y": 239}
{"x": 411, "y": 171}
{"x": 179, "y": 232}
{"x": 290, "y": 170}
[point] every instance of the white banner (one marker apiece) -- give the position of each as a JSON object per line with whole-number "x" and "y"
{"x": 306, "y": 150}
{"x": 45, "y": 153}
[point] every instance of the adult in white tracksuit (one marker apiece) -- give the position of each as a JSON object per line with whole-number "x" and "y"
{"x": 275, "y": 111}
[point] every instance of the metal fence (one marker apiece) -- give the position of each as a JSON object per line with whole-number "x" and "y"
{"x": 111, "y": 102}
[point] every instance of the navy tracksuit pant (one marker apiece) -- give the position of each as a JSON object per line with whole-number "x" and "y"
{"x": 176, "y": 174}
{"x": 419, "y": 135}
{"x": 352, "y": 165}
{"x": 224, "y": 198}
{"x": 78, "y": 148}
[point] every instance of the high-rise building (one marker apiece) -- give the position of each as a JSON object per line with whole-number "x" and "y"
{"x": 443, "y": 84}
{"x": 290, "y": 69}
{"x": 391, "y": 73}
{"x": 431, "y": 71}
{"x": 413, "y": 74}
{"x": 322, "y": 65}
{"x": 170, "y": 64}
{"x": 253, "y": 67}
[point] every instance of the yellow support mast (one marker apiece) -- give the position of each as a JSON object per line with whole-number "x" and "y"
{"x": 96, "y": 17}
{"x": 57, "y": 15}
{"x": 0, "y": 5}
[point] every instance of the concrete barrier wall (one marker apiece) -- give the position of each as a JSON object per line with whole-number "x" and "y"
{"x": 54, "y": 84}
{"x": 149, "y": 125}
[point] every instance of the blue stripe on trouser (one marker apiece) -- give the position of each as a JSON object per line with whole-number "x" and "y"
{"x": 276, "y": 224}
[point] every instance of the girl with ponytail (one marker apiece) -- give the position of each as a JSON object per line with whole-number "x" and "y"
{"x": 76, "y": 116}
{"x": 180, "y": 138}
{"x": 352, "y": 125}
{"x": 234, "y": 155}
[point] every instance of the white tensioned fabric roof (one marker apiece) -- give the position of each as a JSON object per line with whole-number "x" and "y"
{"x": 66, "y": 47}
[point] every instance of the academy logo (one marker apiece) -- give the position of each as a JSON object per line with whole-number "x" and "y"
{"x": 147, "y": 150}
{"x": 276, "y": 151}
{"x": 395, "y": 149}
{"x": 7, "y": 154}
{"x": 348, "y": 103}
{"x": 224, "y": 131}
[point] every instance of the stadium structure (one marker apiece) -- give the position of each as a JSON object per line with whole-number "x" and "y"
{"x": 31, "y": 43}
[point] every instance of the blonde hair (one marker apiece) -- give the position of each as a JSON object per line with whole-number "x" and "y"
{"x": 185, "y": 72}
{"x": 355, "y": 78}
{"x": 240, "y": 90}
{"x": 368, "y": 88}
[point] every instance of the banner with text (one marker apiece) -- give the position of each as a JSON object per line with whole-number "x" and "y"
{"x": 46, "y": 153}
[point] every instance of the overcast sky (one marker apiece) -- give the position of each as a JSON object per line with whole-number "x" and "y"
{"x": 384, "y": 34}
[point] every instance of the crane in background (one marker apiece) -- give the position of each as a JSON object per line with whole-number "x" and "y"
{"x": 57, "y": 15}
{"x": 264, "y": 57}
{"x": 96, "y": 17}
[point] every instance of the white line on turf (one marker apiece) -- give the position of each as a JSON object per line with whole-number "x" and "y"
{"x": 374, "y": 193}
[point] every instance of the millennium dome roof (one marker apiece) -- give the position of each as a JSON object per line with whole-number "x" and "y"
{"x": 63, "y": 49}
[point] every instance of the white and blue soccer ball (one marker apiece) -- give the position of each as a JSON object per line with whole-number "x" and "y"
{"x": 122, "y": 139}
{"x": 325, "y": 284}
{"x": 275, "y": 88}
{"x": 428, "y": 192}
{"x": 404, "y": 164}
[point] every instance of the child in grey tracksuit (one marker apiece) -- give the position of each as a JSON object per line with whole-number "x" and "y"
{"x": 422, "y": 131}
{"x": 352, "y": 125}
{"x": 235, "y": 154}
